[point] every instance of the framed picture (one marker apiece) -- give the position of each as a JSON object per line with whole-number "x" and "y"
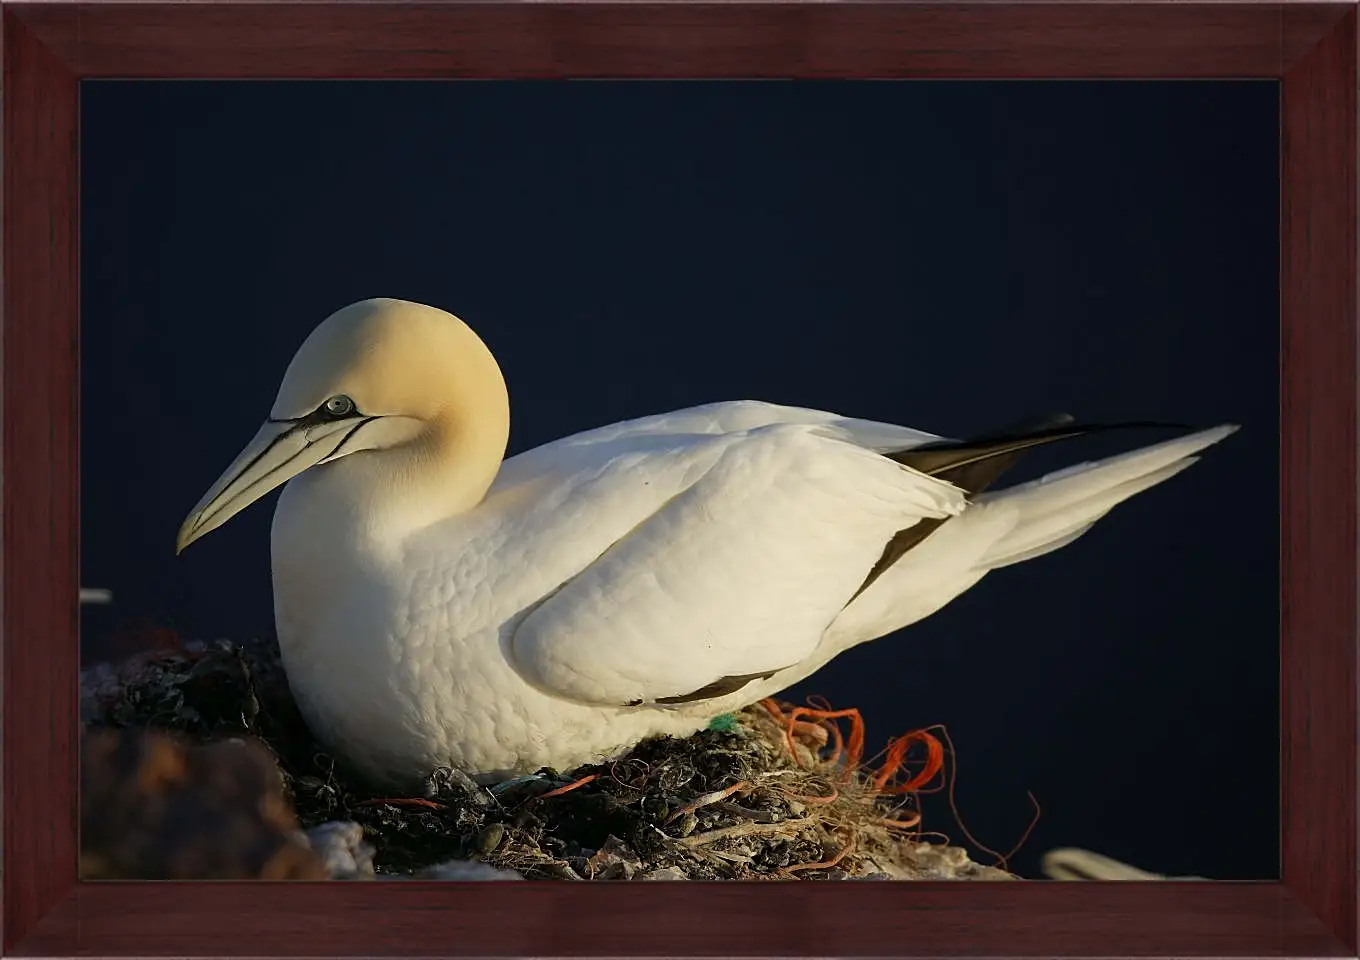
{"x": 93, "y": 296}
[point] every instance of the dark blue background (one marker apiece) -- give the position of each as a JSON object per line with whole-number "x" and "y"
{"x": 951, "y": 256}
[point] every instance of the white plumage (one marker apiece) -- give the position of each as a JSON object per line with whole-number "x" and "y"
{"x": 437, "y": 606}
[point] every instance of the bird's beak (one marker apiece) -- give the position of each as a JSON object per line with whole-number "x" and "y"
{"x": 280, "y": 451}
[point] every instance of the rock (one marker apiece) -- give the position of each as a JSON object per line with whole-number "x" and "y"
{"x": 340, "y": 845}
{"x": 489, "y": 838}
{"x": 154, "y": 807}
{"x": 935, "y": 861}
{"x": 665, "y": 873}
{"x": 613, "y": 861}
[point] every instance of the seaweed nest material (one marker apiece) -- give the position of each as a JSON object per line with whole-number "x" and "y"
{"x": 773, "y": 792}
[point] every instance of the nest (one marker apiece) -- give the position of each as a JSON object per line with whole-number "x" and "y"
{"x": 771, "y": 793}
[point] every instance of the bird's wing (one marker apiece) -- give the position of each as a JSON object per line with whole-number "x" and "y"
{"x": 708, "y": 420}
{"x": 751, "y": 544}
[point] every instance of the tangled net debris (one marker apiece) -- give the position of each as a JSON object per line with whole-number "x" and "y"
{"x": 776, "y": 792}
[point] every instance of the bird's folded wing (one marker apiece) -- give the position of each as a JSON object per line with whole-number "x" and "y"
{"x": 721, "y": 418}
{"x": 737, "y": 574}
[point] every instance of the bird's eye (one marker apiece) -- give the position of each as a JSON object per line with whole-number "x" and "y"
{"x": 340, "y": 406}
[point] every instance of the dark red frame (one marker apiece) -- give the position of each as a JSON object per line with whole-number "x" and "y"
{"x": 1310, "y": 47}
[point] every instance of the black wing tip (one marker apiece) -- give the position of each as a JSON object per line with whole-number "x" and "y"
{"x": 961, "y": 461}
{"x": 1064, "y": 424}
{"x": 1054, "y": 425}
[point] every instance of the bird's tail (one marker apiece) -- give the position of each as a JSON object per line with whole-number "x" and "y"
{"x": 1059, "y": 507}
{"x": 1053, "y": 510}
{"x": 932, "y": 562}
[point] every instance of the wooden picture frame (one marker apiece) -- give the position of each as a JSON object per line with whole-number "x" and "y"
{"x": 1310, "y": 47}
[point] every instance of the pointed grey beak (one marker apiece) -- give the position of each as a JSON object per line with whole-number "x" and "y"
{"x": 280, "y": 451}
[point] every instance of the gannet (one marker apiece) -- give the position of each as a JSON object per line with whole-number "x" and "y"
{"x": 439, "y": 605}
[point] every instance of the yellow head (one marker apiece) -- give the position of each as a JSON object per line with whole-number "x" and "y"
{"x": 377, "y": 376}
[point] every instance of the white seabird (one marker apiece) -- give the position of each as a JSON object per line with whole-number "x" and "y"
{"x": 438, "y": 605}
